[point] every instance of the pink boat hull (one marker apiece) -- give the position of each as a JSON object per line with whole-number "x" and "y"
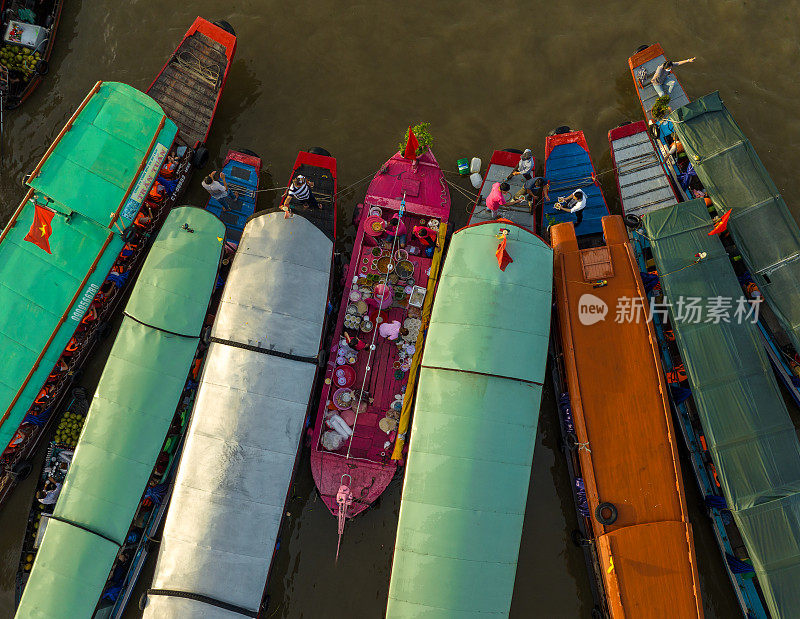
{"x": 367, "y": 457}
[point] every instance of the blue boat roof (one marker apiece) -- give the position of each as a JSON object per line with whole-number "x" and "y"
{"x": 568, "y": 167}
{"x": 242, "y": 178}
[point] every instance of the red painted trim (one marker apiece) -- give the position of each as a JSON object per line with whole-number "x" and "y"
{"x": 502, "y": 221}
{"x": 233, "y": 155}
{"x": 627, "y": 130}
{"x": 637, "y": 60}
{"x": 573, "y": 137}
{"x": 222, "y": 37}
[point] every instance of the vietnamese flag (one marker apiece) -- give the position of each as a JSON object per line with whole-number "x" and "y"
{"x": 411, "y": 146}
{"x": 503, "y": 259}
{"x": 41, "y": 228}
{"x": 722, "y": 224}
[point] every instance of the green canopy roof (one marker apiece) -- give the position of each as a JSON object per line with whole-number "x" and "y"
{"x": 132, "y": 409}
{"x": 119, "y": 135}
{"x": 748, "y": 430}
{"x": 474, "y": 429}
{"x": 763, "y": 228}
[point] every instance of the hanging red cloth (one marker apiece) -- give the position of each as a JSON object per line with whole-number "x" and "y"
{"x": 41, "y": 228}
{"x": 411, "y": 146}
{"x": 503, "y": 259}
{"x": 722, "y": 225}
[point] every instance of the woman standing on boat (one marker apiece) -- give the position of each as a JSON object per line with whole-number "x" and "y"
{"x": 663, "y": 79}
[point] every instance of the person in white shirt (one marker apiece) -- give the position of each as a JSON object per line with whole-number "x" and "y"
{"x": 49, "y": 494}
{"x": 573, "y": 204}
{"x": 219, "y": 191}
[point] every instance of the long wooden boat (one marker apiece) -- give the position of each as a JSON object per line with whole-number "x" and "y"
{"x": 134, "y": 409}
{"x": 29, "y": 34}
{"x": 189, "y": 85}
{"x": 116, "y": 127}
{"x": 692, "y": 414}
{"x": 501, "y": 164}
{"x": 366, "y": 394}
{"x": 252, "y": 407}
{"x": 475, "y": 422}
{"x": 612, "y": 400}
{"x": 738, "y": 414}
{"x": 59, "y": 236}
{"x": 779, "y": 319}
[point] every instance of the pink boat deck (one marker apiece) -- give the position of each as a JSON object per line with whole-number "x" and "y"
{"x": 366, "y": 456}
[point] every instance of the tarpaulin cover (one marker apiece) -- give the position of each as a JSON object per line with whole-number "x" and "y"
{"x": 128, "y": 420}
{"x": 86, "y": 176}
{"x": 748, "y": 430}
{"x": 474, "y": 429}
{"x": 761, "y": 224}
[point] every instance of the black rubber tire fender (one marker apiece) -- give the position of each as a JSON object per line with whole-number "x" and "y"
{"x": 221, "y": 23}
{"x": 318, "y": 150}
{"x": 559, "y": 130}
{"x": 247, "y": 151}
{"x": 200, "y": 156}
{"x": 42, "y": 67}
{"x": 606, "y": 507}
{"x": 21, "y": 470}
{"x": 633, "y": 221}
{"x": 516, "y": 151}
{"x": 641, "y": 48}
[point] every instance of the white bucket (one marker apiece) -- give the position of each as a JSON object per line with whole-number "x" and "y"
{"x": 475, "y": 165}
{"x": 476, "y": 179}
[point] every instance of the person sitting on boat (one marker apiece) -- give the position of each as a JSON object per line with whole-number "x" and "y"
{"x": 533, "y": 189}
{"x": 219, "y": 191}
{"x": 382, "y": 297}
{"x": 573, "y": 204}
{"x": 663, "y": 79}
{"x": 354, "y": 342}
{"x": 49, "y": 494}
{"x": 427, "y": 239}
{"x": 525, "y": 165}
{"x": 676, "y": 148}
{"x": 497, "y": 198}
{"x": 300, "y": 192}
{"x": 396, "y": 229}
{"x": 392, "y": 330}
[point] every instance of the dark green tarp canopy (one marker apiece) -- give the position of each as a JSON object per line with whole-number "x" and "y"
{"x": 763, "y": 228}
{"x": 748, "y": 430}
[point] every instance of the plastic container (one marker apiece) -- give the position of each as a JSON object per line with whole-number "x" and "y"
{"x": 463, "y": 166}
{"x": 475, "y": 165}
{"x": 476, "y": 179}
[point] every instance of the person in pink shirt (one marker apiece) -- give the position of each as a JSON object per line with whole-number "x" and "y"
{"x": 383, "y": 296}
{"x": 396, "y": 228}
{"x": 392, "y": 330}
{"x": 497, "y": 198}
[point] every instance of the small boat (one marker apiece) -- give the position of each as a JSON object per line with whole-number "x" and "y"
{"x": 241, "y": 170}
{"x": 361, "y": 425}
{"x": 502, "y": 163}
{"x": 254, "y": 400}
{"x": 152, "y": 164}
{"x": 189, "y": 86}
{"x": 475, "y": 422}
{"x": 29, "y": 34}
{"x": 568, "y": 167}
{"x": 630, "y": 504}
{"x": 643, "y": 65}
{"x": 59, "y": 236}
{"x": 129, "y": 435}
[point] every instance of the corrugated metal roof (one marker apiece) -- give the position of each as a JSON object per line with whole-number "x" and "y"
{"x": 474, "y": 429}
{"x": 127, "y": 422}
{"x": 242, "y": 442}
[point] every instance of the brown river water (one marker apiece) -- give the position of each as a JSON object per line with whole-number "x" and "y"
{"x": 486, "y": 75}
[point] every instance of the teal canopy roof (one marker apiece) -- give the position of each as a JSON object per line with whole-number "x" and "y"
{"x": 474, "y": 429}
{"x": 748, "y": 430}
{"x": 120, "y": 135}
{"x": 133, "y": 407}
{"x": 762, "y": 226}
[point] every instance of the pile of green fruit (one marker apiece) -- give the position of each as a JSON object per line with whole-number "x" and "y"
{"x": 69, "y": 429}
{"x": 19, "y": 58}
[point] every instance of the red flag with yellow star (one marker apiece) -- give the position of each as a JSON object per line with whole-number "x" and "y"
{"x": 41, "y": 229}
